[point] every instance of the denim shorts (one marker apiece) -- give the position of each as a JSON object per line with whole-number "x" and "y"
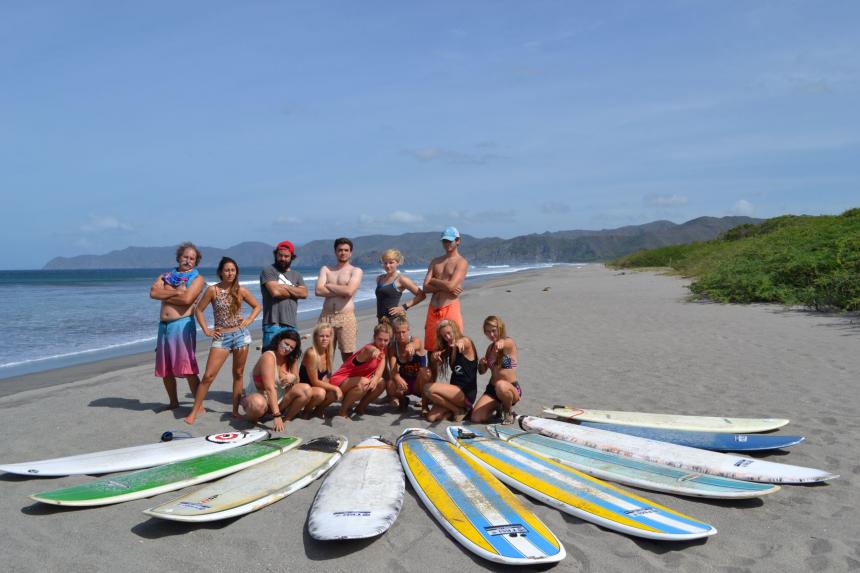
{"x": 233, "y": 340}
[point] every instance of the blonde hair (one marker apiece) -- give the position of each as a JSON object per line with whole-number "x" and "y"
{"x": 392, "y": 254}
{"x": 399, "y": 320}
{"x": 442, "y": 346}
{"x": 498, "y": 323}
{"x": 382, "y": 327}
{"x": 329, "y": 352}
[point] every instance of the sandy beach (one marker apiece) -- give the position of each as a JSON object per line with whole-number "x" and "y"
{"x": 588, "y": 336}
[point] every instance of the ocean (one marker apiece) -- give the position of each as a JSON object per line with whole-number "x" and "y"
{"x": 62, "y": 318}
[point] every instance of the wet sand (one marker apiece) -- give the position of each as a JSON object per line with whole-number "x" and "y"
{"x": 592, "y": 337}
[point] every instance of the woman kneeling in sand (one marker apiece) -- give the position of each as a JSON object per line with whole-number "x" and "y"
{"x": 407, "y": 366}
{"x": 276, "y": 389}
{"x": 361, "y": 375}
{"x": 317, "y": 365}
{"x": 503, "y": 391}
{"x": 456, "y": 353}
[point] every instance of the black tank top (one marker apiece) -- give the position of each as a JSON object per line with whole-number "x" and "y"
{"x": 464, "y": 375}
{"x": 387, "y": 296}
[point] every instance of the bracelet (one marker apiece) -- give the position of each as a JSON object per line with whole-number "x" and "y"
{"x": 405, "y": 308}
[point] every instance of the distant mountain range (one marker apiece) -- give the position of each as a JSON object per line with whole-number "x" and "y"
{"x": 418, "y": 248}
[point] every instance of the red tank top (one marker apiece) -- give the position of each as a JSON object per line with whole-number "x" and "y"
{"x": 350, "y": 369}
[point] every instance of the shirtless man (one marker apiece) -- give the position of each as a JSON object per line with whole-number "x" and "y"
{"x": 445, "y": 281}
{"x": 338, "y": 285}
{"x": 175, "y": 352}
{"x": 282, "y": 288}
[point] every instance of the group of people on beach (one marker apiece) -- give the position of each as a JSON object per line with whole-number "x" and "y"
{"x": 286, "y": 382}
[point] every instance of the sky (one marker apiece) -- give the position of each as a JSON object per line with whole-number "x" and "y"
{"x": 151, "y": 123}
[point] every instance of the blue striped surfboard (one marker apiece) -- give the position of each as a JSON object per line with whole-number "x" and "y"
{"x": 473, "y": 506}
{"x": 638, "y": 473}
{"x": 576, "y": 493}
{"x": 715, "y": 441}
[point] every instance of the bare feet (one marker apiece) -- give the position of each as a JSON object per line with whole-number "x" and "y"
{"x": 508, "y": 417}
{"x": 189, "y": 419}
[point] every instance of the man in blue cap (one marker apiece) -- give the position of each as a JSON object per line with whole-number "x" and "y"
{"x": 444, "y": 281}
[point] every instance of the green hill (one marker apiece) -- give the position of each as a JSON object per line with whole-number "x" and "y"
{"x": 793, "y": 260}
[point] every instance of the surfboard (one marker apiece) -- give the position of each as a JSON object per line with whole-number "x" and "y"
{"x": 692, "y": 459}
{"x": 256, "y": 487}
{"x": 716, "y": 441}
{"x": 627, "y": 471}
{"x": 575, "y": 492}
{"x": 475, "y": 508}
{"x": 169, "y": 477}
{"x": 362, "y": 496}
{"x": 669, "y": 421}
{"x": 136, "y": 457}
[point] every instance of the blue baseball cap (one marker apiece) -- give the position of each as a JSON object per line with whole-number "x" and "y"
{"x": 450, "y": 234}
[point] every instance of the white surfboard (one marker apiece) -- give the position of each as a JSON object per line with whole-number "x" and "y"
{"x": 692, "y": 459}
{"x": 669, "y": 421}
{"x": 362, "y": 496}
{"x": 136, "y": 457}
{"x": 256, "y": 487}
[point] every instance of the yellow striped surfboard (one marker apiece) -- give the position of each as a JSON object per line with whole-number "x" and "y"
{"x": 576, "y": 493}
{"x": 473, "y": 506}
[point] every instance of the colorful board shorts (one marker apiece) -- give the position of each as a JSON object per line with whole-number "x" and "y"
{"x": 270, "y": 330}
{"x": 344, "y": 329}
{"x": 234, "y": 340}
{"x": 435, "y": 315}
{"x": 175, "y": 351}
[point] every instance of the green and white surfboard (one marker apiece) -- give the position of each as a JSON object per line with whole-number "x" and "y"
{"x": 169, "y": 477}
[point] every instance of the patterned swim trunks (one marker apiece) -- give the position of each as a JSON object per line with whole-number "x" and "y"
{"x": 344, "y": 329}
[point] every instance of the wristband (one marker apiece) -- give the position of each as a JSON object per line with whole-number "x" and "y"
{"x": 405, "y": 308}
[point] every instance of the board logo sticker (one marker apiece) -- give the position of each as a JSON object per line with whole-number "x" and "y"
{"x": 224, "y": 438}
{"x": 741, "y": 438}
{"x": 116, "y": 484}
{"x": 351, "y": 514}
{"x": 688, "y": 477}
{"x": 512, "y": 529}
{"x": 743, "y": 463}
{"x": 190, "y": 505}
{"x": 32, "y": 471}
{"x": 640, "y": 511}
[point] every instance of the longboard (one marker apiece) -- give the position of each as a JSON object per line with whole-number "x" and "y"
{"x": 256, "y": 487}
{"x": 716, "y": 441}
{"x": 475, "y": 508}
{"x": 170, "y": 477}
{"x": 136, "y": 457}
{"x": 362, "y": 496}
{"x": 669, "y": 421}
{"x": 692, "y": 459}
{"x": 576, "y": 493}
{"x": 627, "y": 471}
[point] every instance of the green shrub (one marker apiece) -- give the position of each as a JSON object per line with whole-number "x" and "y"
{"x": 812, "y": 261}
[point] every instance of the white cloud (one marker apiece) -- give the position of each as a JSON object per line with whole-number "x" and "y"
{"x": 673, "y": 200}
{"x": 554, "y": 207}
{"x": 98, "y": 224}
{"x": 456, "y": 157}
{"x": 743, "y": 207}
{"x": 404, "y": 217}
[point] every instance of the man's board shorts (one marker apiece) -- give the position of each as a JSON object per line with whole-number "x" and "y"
{"x": 435, "y": 315}
{"x": 270, "y": 330}
{"x": 344, "y": 329}
{"x": 175, "y": 351}
{"x": 239, "y": 338}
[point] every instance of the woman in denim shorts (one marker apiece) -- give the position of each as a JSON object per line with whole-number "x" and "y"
{"x": 230, "y": 333}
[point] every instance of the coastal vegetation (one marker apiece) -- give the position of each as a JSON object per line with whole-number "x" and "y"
{"x": 812, "y": 261}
